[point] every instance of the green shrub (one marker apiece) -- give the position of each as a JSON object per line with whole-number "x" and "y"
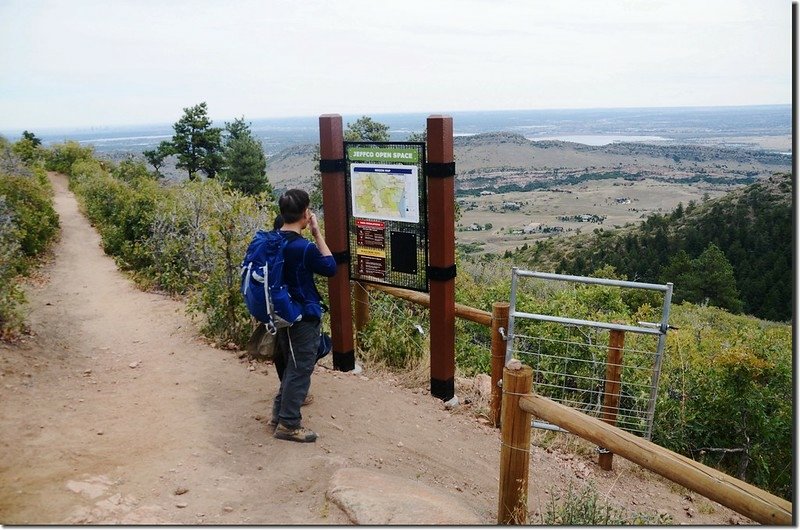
{"x": 391, "y": 337}
{"x": 11, "y": 295}
{"x": 28, "y": 226}
{"x": 586, "y": 508}
{"x": 61, "y": 157}
{"x": 122, "y": 211}
{"x": 726, "y": 395}
{"x": 30, "y": 202}
{"x": 28, "y": 150}
{"x": 233, "y": 220}
{"x": 132, "y": 171}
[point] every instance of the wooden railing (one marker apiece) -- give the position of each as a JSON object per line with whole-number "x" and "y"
{"x": 519, "y": 405}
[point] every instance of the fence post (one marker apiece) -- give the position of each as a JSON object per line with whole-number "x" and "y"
{"x": 361, "y": 300}
{"x": 515, "y": 448}
{"x": 499, "y": 320}
{"x": 613, "y": 387}
{"x": 442, "y": 258}
{"x": 331, "y": 166}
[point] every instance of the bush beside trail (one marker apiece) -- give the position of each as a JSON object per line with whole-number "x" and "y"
{"x": 28, "y": 226}
{"x": 186, "y": 239}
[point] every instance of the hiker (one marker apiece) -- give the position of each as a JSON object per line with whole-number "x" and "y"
{"x": 325, "y": 344}
{"x": 298, "y": 346}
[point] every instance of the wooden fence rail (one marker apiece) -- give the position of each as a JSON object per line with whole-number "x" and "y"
{"x": 733, "y": 493}
{"x": 462, "y": 311}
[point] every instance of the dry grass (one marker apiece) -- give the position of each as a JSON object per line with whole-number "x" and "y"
{"x": 592, "y": 198}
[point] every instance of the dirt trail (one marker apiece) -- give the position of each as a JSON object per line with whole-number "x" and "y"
{"x": 114, "y": 411}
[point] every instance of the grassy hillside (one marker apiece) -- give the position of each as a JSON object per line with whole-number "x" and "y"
{"x": 751, "y": 226}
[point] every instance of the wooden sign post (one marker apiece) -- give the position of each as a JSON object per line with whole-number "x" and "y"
{"x": 334, "y": 199}
{"x": 440, "y": 173}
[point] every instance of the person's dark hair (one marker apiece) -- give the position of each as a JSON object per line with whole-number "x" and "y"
{"x": 292, "y": 205}
{"x": 277, "y": 224}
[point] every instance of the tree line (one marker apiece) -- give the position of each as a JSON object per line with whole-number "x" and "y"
{"x": 231, "y": 153}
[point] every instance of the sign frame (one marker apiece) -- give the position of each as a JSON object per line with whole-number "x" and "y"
{"x": 387, "y": 209}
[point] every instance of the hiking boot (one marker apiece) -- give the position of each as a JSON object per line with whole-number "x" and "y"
{"x": 272, "y": 425}
{"x": 298, "y": 434}
{"x": 308, "y": 400}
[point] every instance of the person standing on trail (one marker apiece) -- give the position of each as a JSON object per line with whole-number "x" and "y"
{"x": 323, "y": 349}
{"x": 297, "y": 346}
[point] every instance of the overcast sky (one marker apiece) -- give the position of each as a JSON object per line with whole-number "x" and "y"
{"x": 75, "y": 63}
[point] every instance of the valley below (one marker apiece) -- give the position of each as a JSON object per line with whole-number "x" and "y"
{"x": 512, "y": 191}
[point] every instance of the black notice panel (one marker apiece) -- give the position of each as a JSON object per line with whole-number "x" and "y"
{"x": 404, "y": 252}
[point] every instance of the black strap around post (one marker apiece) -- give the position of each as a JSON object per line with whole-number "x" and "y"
{"x": 441, "y": 274}
{"x": 332, "y": 166}
{"x": 440, "y": 170}
{"x": 444, "y": 390}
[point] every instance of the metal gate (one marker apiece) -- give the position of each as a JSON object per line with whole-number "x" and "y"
{"x": 604, "y": 369}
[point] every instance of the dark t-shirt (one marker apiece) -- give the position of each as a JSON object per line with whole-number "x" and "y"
{"x": 302, "y": 259}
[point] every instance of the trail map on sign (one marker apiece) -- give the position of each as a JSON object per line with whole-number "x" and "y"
{"x": 383, "y": 191}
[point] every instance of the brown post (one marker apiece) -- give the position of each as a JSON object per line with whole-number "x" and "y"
{"x": 442, "y": 259}
{"x": 334, "y": 200}
{"x": 499, "y": 320}
{"x": 515, "y": 448}
{"x": 361, "y": 299}
{"x": 616, "y": 342}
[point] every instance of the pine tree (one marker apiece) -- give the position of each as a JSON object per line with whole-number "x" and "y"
{"x": 245, "y": 163}
{"x": 157, "y": 156}
{"x": 715, "y": 280}
{"x": 197, "y": 144}
{"x": 365, "y": 129}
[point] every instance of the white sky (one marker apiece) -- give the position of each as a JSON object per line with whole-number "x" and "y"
{"x": 75, "y": 63}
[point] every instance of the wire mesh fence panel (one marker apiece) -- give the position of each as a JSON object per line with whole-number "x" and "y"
{"x": 397, "y": 330}
{"x": 572, "y": 370}
{"x": 564, "y": 332}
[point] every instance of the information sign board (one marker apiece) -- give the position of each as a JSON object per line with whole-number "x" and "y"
{"x": 387, "y": 209}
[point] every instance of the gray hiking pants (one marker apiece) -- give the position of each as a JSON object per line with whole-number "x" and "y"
{"x": 298, "y": 347}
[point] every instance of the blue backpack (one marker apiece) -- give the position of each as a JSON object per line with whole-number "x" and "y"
{"x": 263, "y": 288}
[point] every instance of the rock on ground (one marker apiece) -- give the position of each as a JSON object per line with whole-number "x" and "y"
{"x": 373, "y": 498}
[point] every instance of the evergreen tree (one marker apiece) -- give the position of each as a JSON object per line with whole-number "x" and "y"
{"x": 157, "y": 156}
{"x": 245, "y": 163}
{"x": 713, "y": 281}
{"x": 31, "y": 138}
{"x": 679, "y": 272}
{"x": 28, "y": 148}
{"x": 237, "y": 129}
{"x": 197, "y": 144}
{"x": 365, "y": 129}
